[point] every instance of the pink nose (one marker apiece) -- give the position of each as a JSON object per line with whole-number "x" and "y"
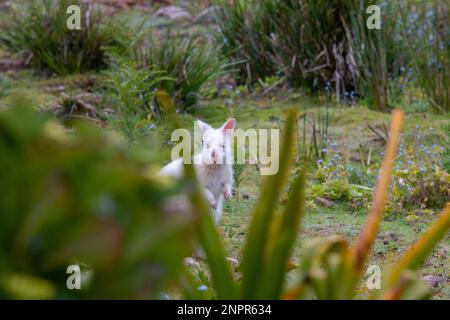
{"x": 213, "y": 154}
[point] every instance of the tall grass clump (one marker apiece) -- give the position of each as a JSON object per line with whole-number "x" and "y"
{"x": 37, "y": 29}
{"x": 310, "y": 43}
{"x": 188, "y": 63}
{"x": 382, "y": 56}
{"x": 431, "y": 52}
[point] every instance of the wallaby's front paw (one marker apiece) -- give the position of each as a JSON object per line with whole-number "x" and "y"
{"x": 227, "y": 195}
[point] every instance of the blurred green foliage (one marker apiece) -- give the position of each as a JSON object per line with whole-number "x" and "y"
{"x": 82, "y": 197}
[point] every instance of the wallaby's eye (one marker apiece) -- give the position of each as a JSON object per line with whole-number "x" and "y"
{"x": 222, "y": 146}
{"x": 207, "y": 145}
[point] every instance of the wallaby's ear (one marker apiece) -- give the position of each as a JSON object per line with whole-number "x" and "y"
{"x": 203, "y": 126}
{"x": 229, "y": 125}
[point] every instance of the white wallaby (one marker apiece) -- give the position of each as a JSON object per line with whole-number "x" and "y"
{"x": 212, "y": 166}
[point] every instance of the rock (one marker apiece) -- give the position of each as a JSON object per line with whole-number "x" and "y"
{"x": 208, "y": 15}
{"x": 246, "y": 197}
{"x": 324, "y": 202}
{"x": 174, "y": 13}
{"x": 434, "y": 281}
{"x": 233, "y": 261}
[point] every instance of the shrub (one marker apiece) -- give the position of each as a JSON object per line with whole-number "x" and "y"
{"x": 82, "y": 198}
{"x": 38, "y": 28}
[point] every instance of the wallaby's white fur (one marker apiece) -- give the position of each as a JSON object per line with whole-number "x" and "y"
{"x": 212, "y": 166}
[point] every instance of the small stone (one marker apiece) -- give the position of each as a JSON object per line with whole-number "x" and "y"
{"x": 433, "y": 281}
{"x": 174, "y": 13}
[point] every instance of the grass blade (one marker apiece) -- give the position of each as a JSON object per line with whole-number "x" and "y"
{"x": 253, "y": 256}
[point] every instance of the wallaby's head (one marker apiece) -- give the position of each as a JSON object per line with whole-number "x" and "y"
{"x": 216, "y": 143}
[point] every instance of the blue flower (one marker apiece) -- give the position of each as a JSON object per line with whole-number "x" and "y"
{"x": 202, "y": 288}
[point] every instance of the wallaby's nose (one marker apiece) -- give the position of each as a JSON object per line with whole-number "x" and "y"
{"x": 213, "y": 154}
